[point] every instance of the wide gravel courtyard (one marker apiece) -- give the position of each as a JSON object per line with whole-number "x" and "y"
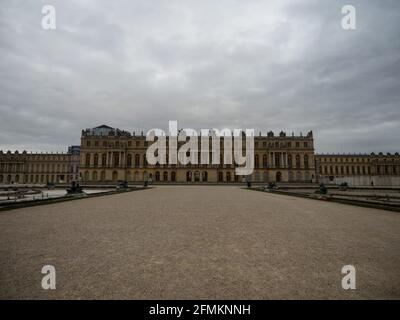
{"x": 199, "y": 242}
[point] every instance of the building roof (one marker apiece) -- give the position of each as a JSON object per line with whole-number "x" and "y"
{"x": 103, "y": 126}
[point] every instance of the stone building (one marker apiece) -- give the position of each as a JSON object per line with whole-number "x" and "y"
{"x": 38, "y": 168}
{"x": 109, "y": 154}
{"x": 359, "y": 169}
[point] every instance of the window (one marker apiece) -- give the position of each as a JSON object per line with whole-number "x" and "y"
{"x": 277, "y": 160}
{"x": 256, "y": 161}
{"x": 116, "y": 159}
{"x": 104, "y": 160}
{"x": 265, "y": 161}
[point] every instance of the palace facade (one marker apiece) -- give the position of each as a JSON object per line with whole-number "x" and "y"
{"x": 109, "y": 155}
{"x": 359, "y": 169}
{"x": 39, "y": 168}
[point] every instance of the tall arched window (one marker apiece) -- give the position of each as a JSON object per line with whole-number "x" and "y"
{"x": 256, "y": 161}
{"x": 96, "y": 160}
{"x": 265, "y": 162}
{"x": 115, "y": 176}
{"x": 290, "y": 164}
{"x": 87, "y": 159}
{"x": 277, "y": 160}
{"x": 137, "y": 160}
{"x": 297, "y": 161}
{"x": 116, "y": 159}
{"x": 104, "y": 159}
{"x": 129, "y": 160}
{"x": 306, "y": 161}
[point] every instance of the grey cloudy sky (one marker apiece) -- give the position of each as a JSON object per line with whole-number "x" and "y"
{"x": 267, "y": 65}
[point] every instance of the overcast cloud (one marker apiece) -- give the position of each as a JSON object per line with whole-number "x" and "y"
{"x": 267, "y": 65}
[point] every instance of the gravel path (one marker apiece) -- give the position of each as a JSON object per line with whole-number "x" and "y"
{"x": 199, "y": 242}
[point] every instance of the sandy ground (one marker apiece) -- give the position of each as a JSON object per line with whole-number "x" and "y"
{"x": 199, "y": 243}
